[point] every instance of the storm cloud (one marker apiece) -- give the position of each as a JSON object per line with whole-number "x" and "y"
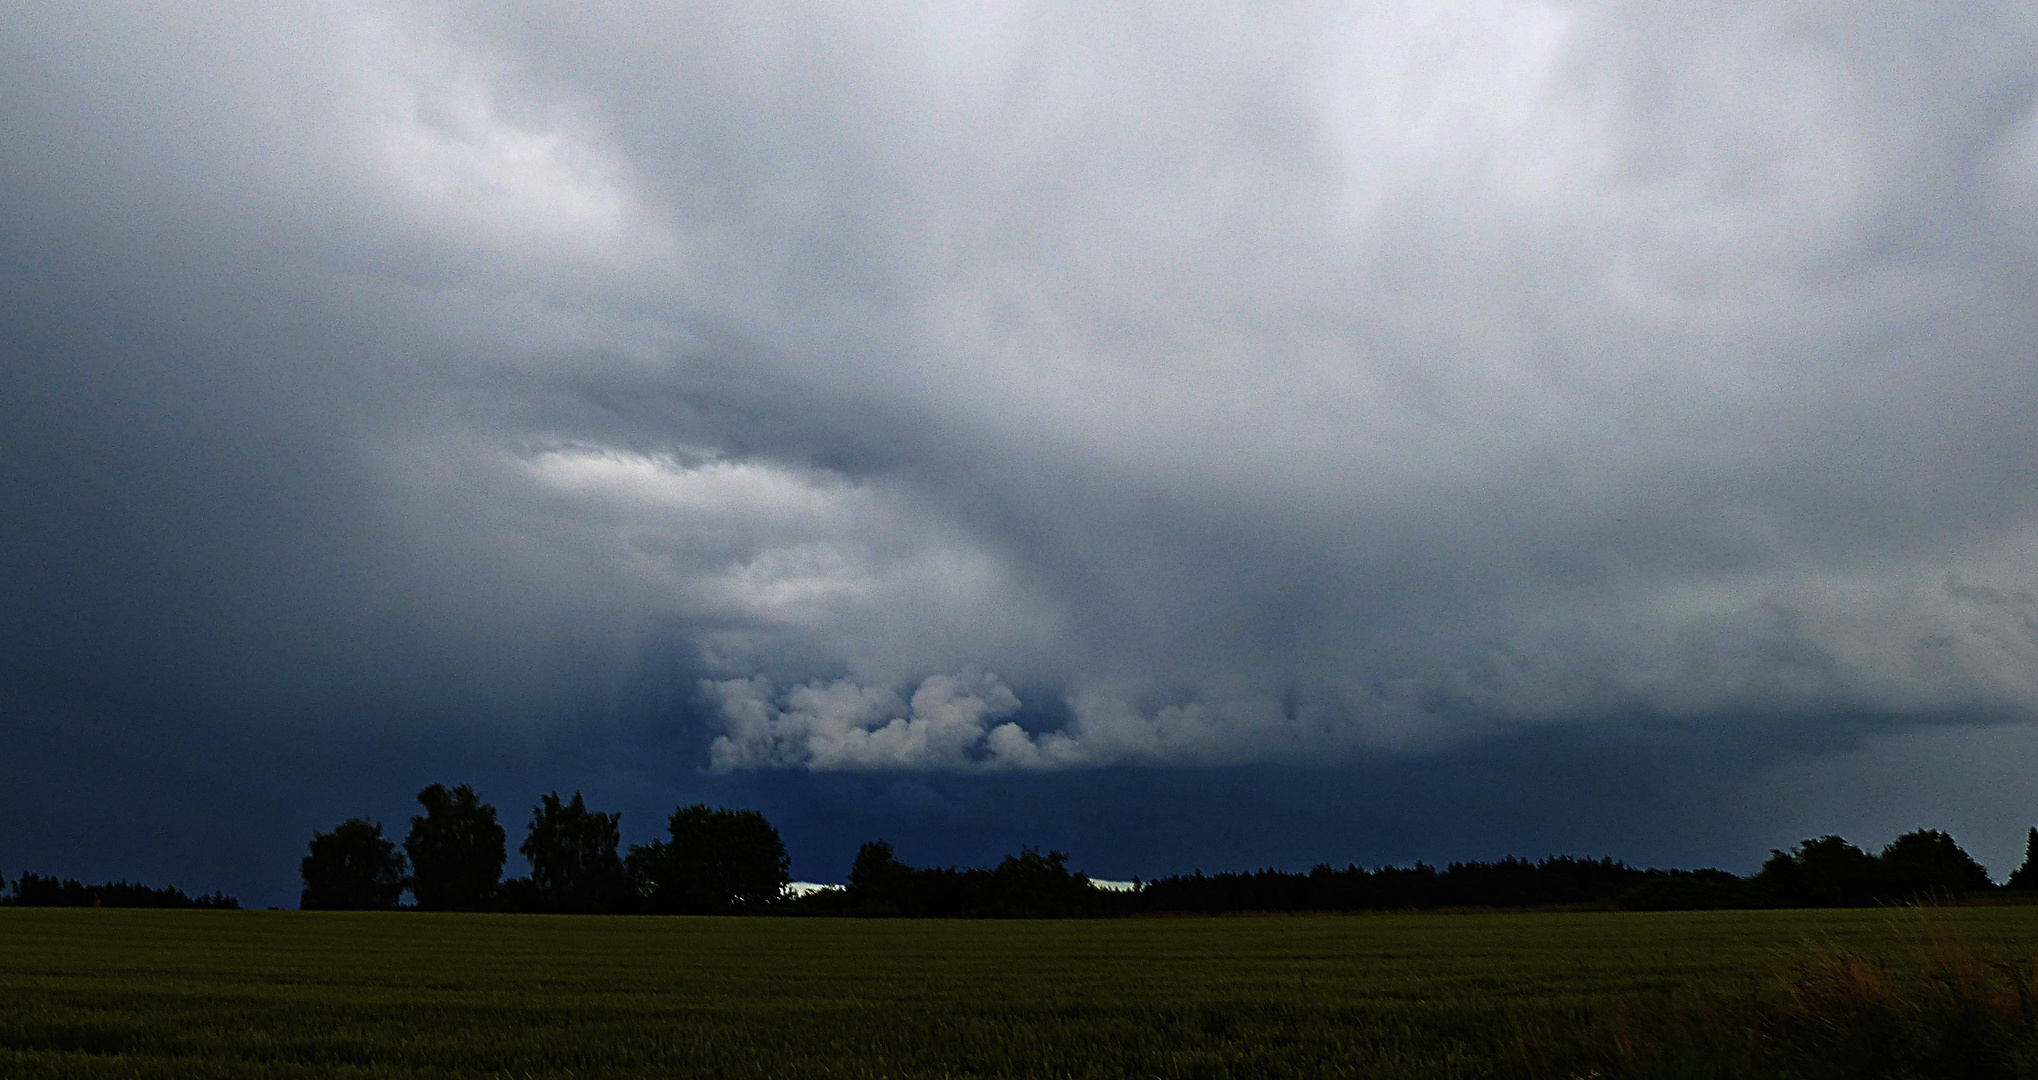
{"x": 1022, "y": 387}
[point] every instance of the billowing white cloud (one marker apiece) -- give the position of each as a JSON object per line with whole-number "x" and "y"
{"x": 769, "y": 565}
{"x": 951, "y": 722}
{"x": 965, "y": 723}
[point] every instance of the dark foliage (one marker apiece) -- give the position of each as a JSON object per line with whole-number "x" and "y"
{"x": 877, "y": 871}
{"x": 518, "y": 894}
{"x": 37, "y": 890}
{"x": 1032, "y": 885}
{"x": 574, "y": 864}
{"x": 1927, "y": 864}
{"x": 1826, "y": 872}
{"x": 1830, "y": 872}
{"x": 722, "y": 861}
{"x": 353, "y": 867}
{"x": 1691, "y": 890}
{"x": 1026, "y": 885}
{"x": 456, "y": 850}
{"x": 2025, "y": 877}
{"x": 1509, "y": 882}
{"x": 715, "y": 862}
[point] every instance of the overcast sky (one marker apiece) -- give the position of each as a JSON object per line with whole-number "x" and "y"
{"x": 1188, "y": 435}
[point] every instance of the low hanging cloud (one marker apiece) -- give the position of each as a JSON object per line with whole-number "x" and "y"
{"x": 1976, "y": 657}
{"x": 950, "y": 722}
{"x": 966, "y": 722}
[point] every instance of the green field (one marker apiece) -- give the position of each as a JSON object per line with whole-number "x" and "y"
{"x": 104, "y": 993}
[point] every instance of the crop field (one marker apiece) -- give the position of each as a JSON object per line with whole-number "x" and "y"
{"x": 105, "y": 993}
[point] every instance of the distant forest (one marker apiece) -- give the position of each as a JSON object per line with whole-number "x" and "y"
{"x": 719, "y": 861}
{"x": 36, "y": 890}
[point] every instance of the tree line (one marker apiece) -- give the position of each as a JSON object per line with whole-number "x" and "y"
{"x": 39, "y": 890}
{"x": 1824, "y": 872}
{"x": 719, "y": 861}
{"x": 722, "y": 861}
{"x": 711, "y": 861}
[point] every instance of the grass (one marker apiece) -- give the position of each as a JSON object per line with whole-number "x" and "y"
{"x": 202, "y": 994}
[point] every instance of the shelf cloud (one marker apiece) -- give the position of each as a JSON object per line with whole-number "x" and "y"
{"x": 1290, "y": 384}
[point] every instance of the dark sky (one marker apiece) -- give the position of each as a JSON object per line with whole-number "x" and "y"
{"x": 1188, "y": 437}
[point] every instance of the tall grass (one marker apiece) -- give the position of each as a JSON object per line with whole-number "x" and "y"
{"x": 1936, "y": 1002}
{"x": 1929, "y": 1000}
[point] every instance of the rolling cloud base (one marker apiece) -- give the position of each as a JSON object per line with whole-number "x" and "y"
{"x": 789, "y": 401}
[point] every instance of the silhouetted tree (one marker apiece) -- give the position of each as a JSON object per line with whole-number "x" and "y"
{"x": 2026, "y": 876}
{"x": 716, "y": 862}
{"x": 1929, "y": 863}
{"x": 1826, "y": 872}
{"x": 1026, "y": 885}
{"x": 879, "y": 883}
{"x": 456, "y": 850}
{"x": 877, "y": 868}
{"x": 572, "y": 850}
{"x": 1032, "y": 885}
{"x": 351, "y": 868}
{"x": 1830, "y": 872}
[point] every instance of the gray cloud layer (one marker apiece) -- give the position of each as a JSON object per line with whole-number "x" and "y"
{"x": 1021, "y": 386}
